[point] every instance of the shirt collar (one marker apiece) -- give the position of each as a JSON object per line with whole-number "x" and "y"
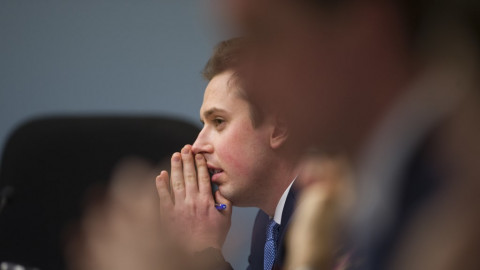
{"x": 281, "y": 204}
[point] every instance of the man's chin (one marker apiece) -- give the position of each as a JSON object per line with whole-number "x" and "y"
{"x": 224, "y": 192}
{"x": 236, "y": 199}
{"x": 228, "y": 194}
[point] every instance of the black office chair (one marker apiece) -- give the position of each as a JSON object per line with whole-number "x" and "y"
{"x": 49, "y": 163}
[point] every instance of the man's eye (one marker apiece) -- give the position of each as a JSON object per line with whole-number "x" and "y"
{"x": 218, "y": 121}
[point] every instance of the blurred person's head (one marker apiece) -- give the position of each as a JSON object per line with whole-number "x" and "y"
{"x": 245, "y": 147}
{"x": 335, "y": 66}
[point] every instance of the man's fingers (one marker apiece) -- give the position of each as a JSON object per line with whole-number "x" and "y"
{"x": 189, "y": 173}
{"x": 163, "y": 190}
{"x": 176, "y": 181}
{"x": 204, "y": 185}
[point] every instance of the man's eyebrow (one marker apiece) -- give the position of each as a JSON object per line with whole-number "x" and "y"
{"x": 211, "y": 111}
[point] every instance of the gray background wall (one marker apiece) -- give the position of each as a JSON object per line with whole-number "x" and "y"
{"x": 108, "y": 57}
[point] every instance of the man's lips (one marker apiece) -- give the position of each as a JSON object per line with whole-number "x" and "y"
{"x": 214, "y": 172}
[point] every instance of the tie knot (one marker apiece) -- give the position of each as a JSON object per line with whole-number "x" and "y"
{"x": 272, "y": 230}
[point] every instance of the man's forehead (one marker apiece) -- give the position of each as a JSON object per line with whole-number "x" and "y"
{"x": 221, "y": 91}
{"x": 225, "y": 83}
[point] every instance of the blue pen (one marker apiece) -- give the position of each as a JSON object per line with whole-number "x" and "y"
{"x": 220, "y": 206}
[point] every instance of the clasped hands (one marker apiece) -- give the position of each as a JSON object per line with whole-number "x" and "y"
{"x": 187, "y": 206}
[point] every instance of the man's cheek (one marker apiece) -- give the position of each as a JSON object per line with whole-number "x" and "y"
{"x": 233, "y": 160}
{"x": 234, "y": 156}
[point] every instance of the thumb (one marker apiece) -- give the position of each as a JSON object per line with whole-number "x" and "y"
{"x": 220, "y": 199}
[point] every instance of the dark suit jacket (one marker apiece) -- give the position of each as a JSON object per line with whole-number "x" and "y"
{"x": 255, "y": 260}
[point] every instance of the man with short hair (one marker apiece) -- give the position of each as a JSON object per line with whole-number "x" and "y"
{"x": 245, "y": 152}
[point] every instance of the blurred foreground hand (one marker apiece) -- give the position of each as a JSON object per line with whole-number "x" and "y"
{"x": 314, "y": 240}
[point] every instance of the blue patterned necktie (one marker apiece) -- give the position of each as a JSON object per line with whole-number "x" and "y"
{"x": 270, "y": 249}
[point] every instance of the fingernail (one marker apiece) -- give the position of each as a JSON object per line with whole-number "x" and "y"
{"x": 186, "y": 150}
{"x": 176, "y": 157}
{"x": 199, "y": 157}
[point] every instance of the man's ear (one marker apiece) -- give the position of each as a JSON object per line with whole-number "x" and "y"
{"x": 279, "y": 133}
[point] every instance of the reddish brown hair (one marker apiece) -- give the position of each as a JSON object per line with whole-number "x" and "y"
{"x": 226, "y": 56}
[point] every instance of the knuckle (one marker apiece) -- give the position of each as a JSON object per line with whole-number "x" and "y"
{"x": 186, "y": 159}
{"x": 205, "y": 178}
{"x": 189, "y": 204}
{"x": 178, "y": 185}
{"x": 190, "y": 208}
{"x": 204, "y": 199}
{"x": 200, "y": 163}
{"x": 162, "y": 186}
{"x": 190, "y": 176}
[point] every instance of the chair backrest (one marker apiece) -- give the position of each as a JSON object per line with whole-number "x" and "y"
{"x": 51, "y": 162}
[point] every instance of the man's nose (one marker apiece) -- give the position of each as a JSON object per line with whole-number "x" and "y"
{"x": 202, "y": 144}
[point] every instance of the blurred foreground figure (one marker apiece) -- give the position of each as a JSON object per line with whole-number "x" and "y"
{"x": 121, "y": 229}
{"x": 316, "y": 235}
{"x": 394, "y": 86}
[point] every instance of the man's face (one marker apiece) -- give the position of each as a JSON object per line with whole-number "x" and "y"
{"x": 235, "y": 151}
